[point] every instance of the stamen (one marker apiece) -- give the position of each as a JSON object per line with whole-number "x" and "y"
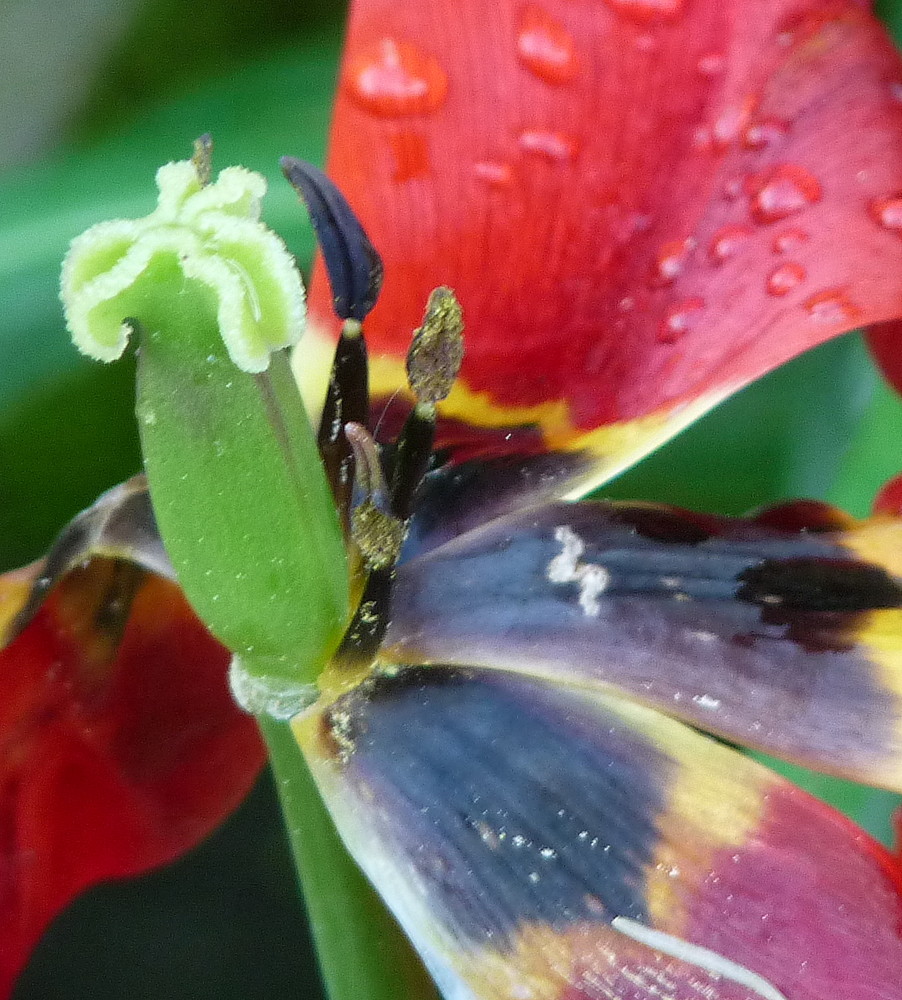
{"x": 412, "y": 461}
{"x": 347, "y": 401}
{"x": 202, "y": 159}
{"x": 369, "y": 481}
{"x": 704, "y": 958}
{"x": 355, "y": 274}
{"x": 433, "y": 363}
{"x": 373, "y": 520}
{"x": 354, "y": 267}
{"x": 437, "y": 351}
{"x": 379, "y": 537}
{"x": 367, "y": 629}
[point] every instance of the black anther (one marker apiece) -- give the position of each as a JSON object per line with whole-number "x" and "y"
{"x": 355, "y": 269}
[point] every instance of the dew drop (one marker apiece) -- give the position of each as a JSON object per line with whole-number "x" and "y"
{"x": 732, "y": 188}
{"x": 832, "y": 308}
{"x": 790, "y": 240}
{"x": 260, "y": 695}
{"x": 552, "y": 145}
{"x": 545, "y": 47}
{"x": 702, "y": 140}
{"x": 393, "y": 79}
{"x": 649, "y": 10}
{"x": 679, "y": 319}
{"x": 887, "y": 212}
{"x": 729, "y": 124}
{"x": 785, "y": 278}
{"x": 727, "y": 241}
{"x": 764, "y": 133}
{"x": 493, "y": 173}
{"x": 782, "y": 192}
{"x": 711, "y": 64}
{"x": 670, "y": 259}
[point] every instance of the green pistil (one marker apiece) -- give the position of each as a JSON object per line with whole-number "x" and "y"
{"x": 236, "y": 479}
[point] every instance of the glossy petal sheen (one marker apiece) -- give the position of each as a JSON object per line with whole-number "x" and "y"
{"x": 638, "y": 204}
{"x": 120, "y": 746}
{"x": 774, "y": 637}
{"x": 508, "y": 823}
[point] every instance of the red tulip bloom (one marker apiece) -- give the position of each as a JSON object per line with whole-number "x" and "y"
{"x": 642, "y": 206}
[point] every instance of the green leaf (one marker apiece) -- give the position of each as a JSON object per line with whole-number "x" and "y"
{"x": 784, "y": 436}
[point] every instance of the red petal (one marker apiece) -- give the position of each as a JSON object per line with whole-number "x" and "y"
{"x": 889, "y": 499}
{"x": 638, "y": 203}
{"x": 886, "y": 345}
{"x": 120, "y": 746}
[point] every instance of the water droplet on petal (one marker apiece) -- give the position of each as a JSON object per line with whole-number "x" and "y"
{"x": 649, "y": 10}
{"x": 702, "y": 140}
{"x": 493, "y": 173}
{"x": 781, "y": 192}
{"x": 545, "y": 47}
{"x": 646, "y": 42}
{"x": 832, "y": 308}
{"x": 888, "y": 213}
{"x": 626, "y": 304}
{"x": 711, "y": 64}
{"x": 393, "y": 78}
{"x": 785, "y": 278}
{"x": 732, "y": 188}
{"x": 790, "y": 240}
{"x": 679, "y": 319}
{"x": 729, "y": 123}
{"x": 764, "y": 133}
{"x": 551, "y": 145}
{"x": 670, "y": 259}
{"x": 727, "y": 241}
{"x": 259, "y": 695}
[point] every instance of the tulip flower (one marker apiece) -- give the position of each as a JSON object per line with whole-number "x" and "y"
{"x": 641, "y": 206}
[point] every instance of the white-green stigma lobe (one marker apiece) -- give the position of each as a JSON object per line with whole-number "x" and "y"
{"x": 213, "y": 236}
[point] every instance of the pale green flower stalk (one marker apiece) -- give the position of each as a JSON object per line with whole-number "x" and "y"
{"x": 237, "y": 484}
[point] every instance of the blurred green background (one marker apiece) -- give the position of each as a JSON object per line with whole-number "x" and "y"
{"x": 94, "y": 95}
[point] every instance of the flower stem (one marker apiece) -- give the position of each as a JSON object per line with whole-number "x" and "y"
{"x": 363, "y": 954}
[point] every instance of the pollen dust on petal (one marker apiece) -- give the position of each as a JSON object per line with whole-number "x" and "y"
{"x": 566, "y": 567}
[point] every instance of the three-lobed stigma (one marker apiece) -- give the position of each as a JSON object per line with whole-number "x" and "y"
{"x": 203, "y": 235}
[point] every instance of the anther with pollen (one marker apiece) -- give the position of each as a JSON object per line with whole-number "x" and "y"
{"x": 378, "y": 520}
{"x": 433, "y": 362}
{"x": 374, "y": 515}
{"x": 202, "y": 159}
{"x": 378, "y": 536}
